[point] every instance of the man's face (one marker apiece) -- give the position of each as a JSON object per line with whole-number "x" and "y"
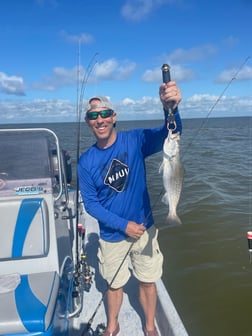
{"x": 102, "y": 127}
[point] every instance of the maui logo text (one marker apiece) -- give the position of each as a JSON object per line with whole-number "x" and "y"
{"x": 117, "y": 175}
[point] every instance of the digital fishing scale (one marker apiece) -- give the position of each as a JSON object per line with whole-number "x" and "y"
{"x": 171, "y": 123}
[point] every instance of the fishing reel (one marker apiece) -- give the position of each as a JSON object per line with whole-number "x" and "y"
{"x": 99, "y": 331}
{"x": 86, "y": 273}
{"x": 83, "y": 276}
{"x": 82, "y": 268}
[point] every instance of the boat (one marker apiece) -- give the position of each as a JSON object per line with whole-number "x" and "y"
{"x": 49, "y": 278}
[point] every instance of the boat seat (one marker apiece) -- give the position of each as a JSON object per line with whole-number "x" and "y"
{"x": 23, "y": 228}
{"x": 27, "y": 306}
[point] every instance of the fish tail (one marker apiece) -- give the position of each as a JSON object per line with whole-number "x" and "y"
{"x": 173, "y": 220}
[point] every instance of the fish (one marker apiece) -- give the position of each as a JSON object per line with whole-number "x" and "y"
{"x": 173, "y": 175}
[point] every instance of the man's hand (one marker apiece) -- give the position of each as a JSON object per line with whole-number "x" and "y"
{"x": 170, "y": 95}
{"x": 135, "y": 230}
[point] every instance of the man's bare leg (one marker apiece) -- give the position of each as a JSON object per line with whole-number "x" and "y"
{"x": 148, "y": 300}
{"x": 114, "y": 298}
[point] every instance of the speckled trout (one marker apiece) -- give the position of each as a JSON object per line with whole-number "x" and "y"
{"x": 173, "y": 173}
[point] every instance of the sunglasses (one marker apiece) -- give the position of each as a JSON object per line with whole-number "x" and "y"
{"x": 104, "y": 114}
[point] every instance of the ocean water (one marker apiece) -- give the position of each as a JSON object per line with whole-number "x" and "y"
{"x": 207, "y": 270}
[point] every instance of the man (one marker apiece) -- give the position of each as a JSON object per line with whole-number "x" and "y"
{"x": 114, "y": 190}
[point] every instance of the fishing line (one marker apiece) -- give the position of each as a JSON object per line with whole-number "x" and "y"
{"x": 215, "y": 103}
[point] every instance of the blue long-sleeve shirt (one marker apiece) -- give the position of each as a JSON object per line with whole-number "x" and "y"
{"x": 113, "y": 180}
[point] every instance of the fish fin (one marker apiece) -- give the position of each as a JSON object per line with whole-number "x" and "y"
{"x": 173, "y": 220}
{"x": 165, "y": 199}
{"x": 161, "y": 167}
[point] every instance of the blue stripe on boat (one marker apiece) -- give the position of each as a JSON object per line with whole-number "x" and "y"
{"x": 30, "y": 309}
{"x": 27, "y": 211}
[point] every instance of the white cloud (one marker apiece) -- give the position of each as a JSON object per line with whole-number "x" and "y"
{"x": 147, "y": 107}
{"x": 194, "y": 54}
{"x": 138, "y": 109}
{"x": 152, "y": 75}
{"x": 112, "y": 69}
{"x": 227, "y": 75}
{"x": 61, "y": 77}
{"x": 230, "y": 41}
{"x": 179, "y": 74}
{"x": 128, "y": 101}
{"x": 12, "y": 85}
{"x": 38, "y": 110}
{"x": 137, "y": 10}
{"x": 82, "y": 38}
{"x": 207, "y": 105}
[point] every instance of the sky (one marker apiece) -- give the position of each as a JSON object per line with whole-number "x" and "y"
{"x": 55, "y": 54}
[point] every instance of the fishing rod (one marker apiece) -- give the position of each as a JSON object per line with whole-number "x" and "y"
{"x": 79, "y": 104}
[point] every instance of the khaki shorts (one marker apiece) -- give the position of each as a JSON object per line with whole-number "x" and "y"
{"x": 145, "y": 258}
